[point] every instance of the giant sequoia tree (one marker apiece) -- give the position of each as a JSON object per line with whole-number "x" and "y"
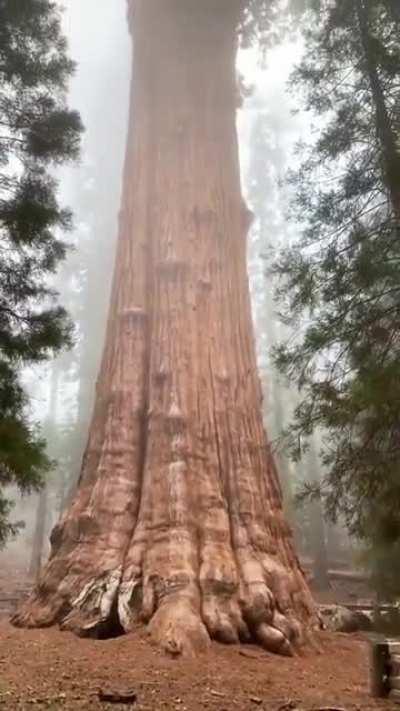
{"x": 177, "y": 521}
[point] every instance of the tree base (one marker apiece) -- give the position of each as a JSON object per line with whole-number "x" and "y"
{"x": 182, "y": 621}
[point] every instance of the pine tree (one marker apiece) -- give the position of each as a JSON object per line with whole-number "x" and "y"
{"x": 340, "y": 281}
{"x": 38, "y": 131}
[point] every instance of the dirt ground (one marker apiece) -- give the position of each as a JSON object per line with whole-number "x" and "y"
{"x": 54, "y": 670}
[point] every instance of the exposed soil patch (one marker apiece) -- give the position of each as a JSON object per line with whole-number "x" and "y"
{"x": 56, "y": 670}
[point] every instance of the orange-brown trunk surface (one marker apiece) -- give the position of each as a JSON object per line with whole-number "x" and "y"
{"x": 177, "y": 521}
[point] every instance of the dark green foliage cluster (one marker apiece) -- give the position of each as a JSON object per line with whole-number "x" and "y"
{"x": 37, "y": 131}
{"x": 340, "y": 283}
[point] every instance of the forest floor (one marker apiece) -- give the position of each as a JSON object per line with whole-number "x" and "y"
{"x": 54, "y": 670}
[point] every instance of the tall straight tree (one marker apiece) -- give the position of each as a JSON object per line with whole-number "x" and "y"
{"x": 178, "y": 519}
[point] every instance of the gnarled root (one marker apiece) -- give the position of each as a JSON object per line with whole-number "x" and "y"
{"x": 230, "y": 590}
{"x": 178, "y": 628}
{"x": 183, "y": 613}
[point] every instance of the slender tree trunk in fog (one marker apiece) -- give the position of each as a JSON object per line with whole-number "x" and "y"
{"x": 39, "y": 535}
{"x": 318, "y": 534}
{"x": 40, "y": 531}
{"x": 178, "y": 519}
{"x": 85, "y": 402}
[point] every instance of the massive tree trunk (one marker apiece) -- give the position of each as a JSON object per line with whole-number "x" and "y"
{"x": 178, "y": 520}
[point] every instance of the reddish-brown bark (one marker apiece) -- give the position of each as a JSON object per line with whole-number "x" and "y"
{"x": 178, "y": 521}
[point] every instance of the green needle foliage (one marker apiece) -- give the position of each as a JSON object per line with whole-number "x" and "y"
{"x": 37, "y": 132}
{"x": 339, "y": 284}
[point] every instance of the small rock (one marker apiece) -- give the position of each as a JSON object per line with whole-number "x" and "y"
{"x": 256, "y": 700}
{"x": 341, "y": 619}
{"x": 117, "y": 697}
